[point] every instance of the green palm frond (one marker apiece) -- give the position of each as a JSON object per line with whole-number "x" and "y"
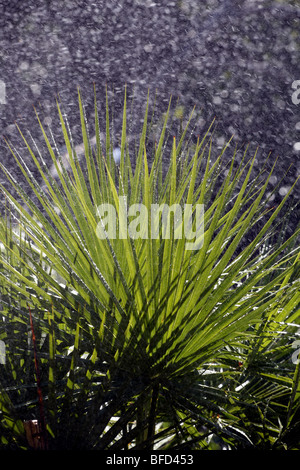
{"x": 140, "y": 335}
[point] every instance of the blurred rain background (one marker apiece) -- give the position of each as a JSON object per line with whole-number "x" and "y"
{"x": 234, "y": 60}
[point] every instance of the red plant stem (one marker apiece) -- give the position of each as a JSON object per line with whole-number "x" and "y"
{"x": 39, "y": 390}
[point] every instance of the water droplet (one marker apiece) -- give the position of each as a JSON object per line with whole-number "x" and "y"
{"x": 117, "y": 155}
{"x": 297, "y": 146}
{"x": 284, "y": 190}
{"x": 217, "y": 100}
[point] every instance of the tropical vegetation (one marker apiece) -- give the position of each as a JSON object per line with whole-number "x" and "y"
{"x": 137, "y": 342}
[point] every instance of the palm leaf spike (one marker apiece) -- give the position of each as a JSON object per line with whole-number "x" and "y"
{"x": 43, "y": 436}
{"x": 52, "y": 373}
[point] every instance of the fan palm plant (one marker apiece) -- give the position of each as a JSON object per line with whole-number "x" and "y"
{"x": 121, "y": 337}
